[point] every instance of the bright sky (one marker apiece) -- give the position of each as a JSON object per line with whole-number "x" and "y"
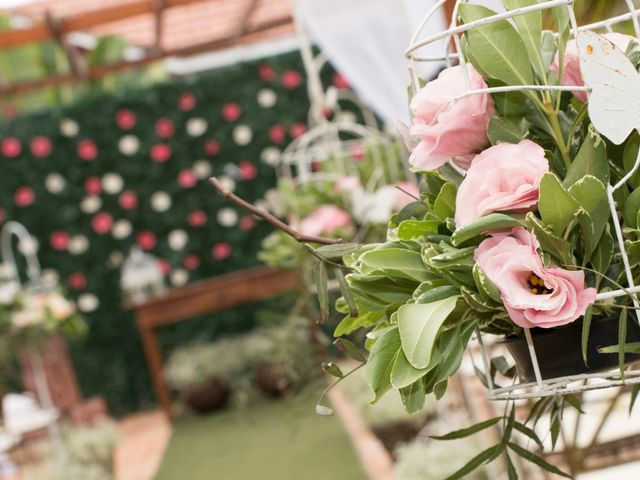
{"x": 13, "y": 3}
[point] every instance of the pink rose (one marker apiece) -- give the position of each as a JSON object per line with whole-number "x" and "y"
{"x": 446, "y": 129}
{"x": 326, "y": 219}
{"x": 348, "y": 184}
{"x": 571, "y": 73}
{"x": 503, "y": 178}
{"x": 534, "y": 295}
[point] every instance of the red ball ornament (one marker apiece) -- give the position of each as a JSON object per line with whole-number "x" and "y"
{"x": 41, "y": 146}
{"x": 77, "y": 281}
{"x": 146, "y": 240}
{"x": 187, "y": 179}
{"x": 266, "y": 72}
{"x": 24, "y": 196}
{"x": 297, "y": 130}
{"x": 197, "y": 219}
{"x": 93, "y": 186}
{"x": 248, "y": 170}
{"x": 191, "y": 262}
{"x": 59, "y": 240}
{"x": 160, "y": 152}
{"x": 212, "y": 147}
{"x": 125, "y": 119}
{"x": 87, "y": 150}
{"x": 128, "y": 200}
{"x": 221, "y": 251}
{"x": 278, "y": 133}
{"x": 11, "y": 147}
{"x": 291, "y": 79}
{"x": 340, "y": 81}
{"x": 164, "y": 127}
{"x": 247, "y": 223}
{"x": 102, "y": 223}
{"x": 165, "y": 266}
{"x": 231, "y": 112}
{"x": 187, "y": 102}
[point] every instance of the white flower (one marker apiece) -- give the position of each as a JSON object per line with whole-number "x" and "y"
{"x": 121, "y": 229}
{"x": 60, "y": 307}
{"x": 267, "y": 98}
{"x": 202, "y": 169}
{"x": 78, "y": 244}
{"x": 90, "y": 204}
{"x": 69, "y": 127}
{"x": 179, "y": 277}
{"x": 88, "y": 302}
{"x": 129, "y": 145}
{"x": 196, "y": 126}
{"x": 178, "y": 239}
{"x": 242, "y": 135}
{"x": 227, "y": 217}
{"x": 271, "y": 156}
{"x": 228, "y": 183}
{"x": 112, "y": 183}
{"x": 160, "y": 201}
{"x": 55, "y": 183}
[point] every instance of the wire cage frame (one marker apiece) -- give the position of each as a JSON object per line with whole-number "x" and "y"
{"x": 451, "y": 37}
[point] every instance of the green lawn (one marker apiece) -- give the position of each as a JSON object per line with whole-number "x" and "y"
{"x": 272, "y": 440}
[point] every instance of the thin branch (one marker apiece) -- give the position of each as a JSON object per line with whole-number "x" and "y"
{"x": 266, "y": 216}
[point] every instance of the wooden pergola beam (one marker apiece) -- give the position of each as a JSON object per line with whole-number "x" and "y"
{"x": 42, "y": 32}
{"x": 100, "y": 71}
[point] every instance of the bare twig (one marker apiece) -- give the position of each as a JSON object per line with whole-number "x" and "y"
{"x": 398, "y": 187}
{"x": 266, "y": 216}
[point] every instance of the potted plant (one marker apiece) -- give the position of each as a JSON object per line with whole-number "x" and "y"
{"x": 204, "y": 373}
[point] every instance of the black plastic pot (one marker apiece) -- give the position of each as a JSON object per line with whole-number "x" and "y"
{"x": 559, "y": 350}
{"x": 208, "y": 397}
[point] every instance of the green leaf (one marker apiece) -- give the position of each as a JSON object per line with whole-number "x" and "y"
{"x": 476, "y": 302}
{"x": 630, "y": 157}
{"x": 419, "y": 326}
{"x": 586, "y": 328}
{"x": 548, "y": 48}
{"x": 410, "y": 229}
{"x": 493, "y": 221}
{"x": 437, "y": 293}
{"x": 332, "y": 369}
{"x": 511, "y": 469}
{"x": 486, "y": 456}
{"x": 404, "y": 374}
{"x": 445, "y": 204}
{"x": 497, "y": 47}
{"x": 633, "y": 347}
{"x": 634, "y": 396}
{"x": 346, "y": 292}
{"x": 602, "y": 256}
{"x": 632, "y": 209}
{"x": 503, "y": 130}
{"x": 413, "y": 397}
{"x": 550, "y": 243}
{"x": 530, "y": 29}
{"x": 622, "y": 340}
{"x": 350, "y": 349}
{"x": 556, "y": 206}
{"x": 590, "y": 160}
{"x": 381, "y": 360}
{"x": 522, "y": 428}
{"x": 539, "y": 461}
{"x": 591, "y": 194}
{"x": 332, "y": 252}
{"x": 485, "y": 286}
{"x": 467, "y": 432}
{"x": 321, "y": 280}
{"x": 401, "y": 262}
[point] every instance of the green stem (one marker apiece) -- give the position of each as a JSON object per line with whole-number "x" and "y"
{"x": 559, "y": 137}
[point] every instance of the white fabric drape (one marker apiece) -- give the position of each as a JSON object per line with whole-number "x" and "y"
{"x": 366, "y": 39}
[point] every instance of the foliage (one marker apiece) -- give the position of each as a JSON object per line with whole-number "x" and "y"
{"x": 63, "y": 215}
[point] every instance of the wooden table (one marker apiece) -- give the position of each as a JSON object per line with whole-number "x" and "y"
{"x": 207, "y": 296}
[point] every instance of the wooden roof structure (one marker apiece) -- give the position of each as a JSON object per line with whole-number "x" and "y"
{"x": 163, "y": 28}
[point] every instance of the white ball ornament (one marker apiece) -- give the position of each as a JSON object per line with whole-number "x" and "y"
{"x": 160, "y": 201}
{"x": 90, "y": 204}
{"x": 129, "y": 145}
{"x": 88, "y": 302}
{"x": 178, "y": 239}
{"x": 202, "y": 169}
{"x": 228, "y": 183}
{"x": 227, "y": 217}
{"x": 121, "y": 229}
{"x": 78, "y": 244}
{"x": 112, "y": 183}
{"x": 242, "y": 135}
{"x": 69, "y": 127}
{"x": 271, "y": 156}
{"x": 55, "y": 183}
{"x": 267, "y": 98}
{"x": 196, "y": 126}
{"x": 179, "y": 277}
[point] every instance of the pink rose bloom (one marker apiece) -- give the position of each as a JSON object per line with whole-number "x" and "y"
{"x": 325, "y": 220}
{"x": 501, "y": 179}
{"x": 449, "y": 130}
{"x": 402, "y": 198}
{"x": 571, "y": 74}
{"x": 348, "y": 184}
{"x": 534, "y": 295}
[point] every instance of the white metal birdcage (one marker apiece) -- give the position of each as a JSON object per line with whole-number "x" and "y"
{"x": 452, "y": 38}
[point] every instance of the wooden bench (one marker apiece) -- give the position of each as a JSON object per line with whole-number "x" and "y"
{"x": 207, "y": 296}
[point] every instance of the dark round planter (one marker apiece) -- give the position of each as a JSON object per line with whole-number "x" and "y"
{"x": 208, "y": 397}
{"x": 559, "y": 350}
{"x": 271, "y": 382}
